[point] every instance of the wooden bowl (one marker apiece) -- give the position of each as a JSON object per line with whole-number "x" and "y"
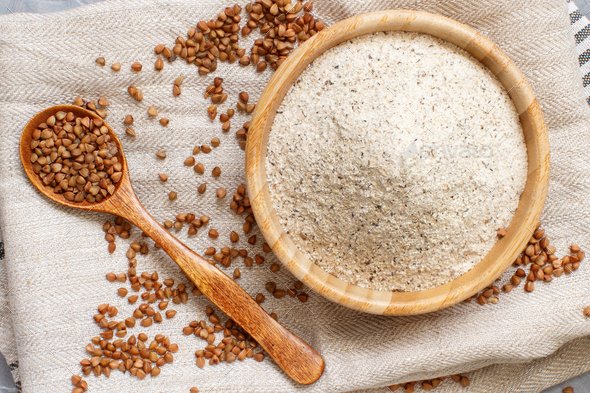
{"x": 505, "y": 250}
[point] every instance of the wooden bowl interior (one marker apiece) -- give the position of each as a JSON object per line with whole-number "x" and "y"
{"x": 503, "y": 253}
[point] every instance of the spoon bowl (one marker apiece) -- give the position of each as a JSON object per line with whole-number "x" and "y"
{"x": 293, "y": 355}
{"x": 106, "y": 205}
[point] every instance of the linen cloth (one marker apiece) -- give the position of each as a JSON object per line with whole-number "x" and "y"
{"x": 56, "y": 259}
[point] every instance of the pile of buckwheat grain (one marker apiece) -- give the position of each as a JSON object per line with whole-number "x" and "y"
{"x": 76, "y": 157}
{"x": 538, "y": 262}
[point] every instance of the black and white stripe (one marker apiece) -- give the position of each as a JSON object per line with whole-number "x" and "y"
{"x": 581, "y": 30}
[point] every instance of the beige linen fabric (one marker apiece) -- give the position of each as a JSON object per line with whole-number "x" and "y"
{"x": 7, "y": 342}
{"x": 56, "y": 258}
{"x": 568, "y": 362}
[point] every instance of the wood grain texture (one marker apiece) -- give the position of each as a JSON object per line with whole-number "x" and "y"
{"x": 503, "y": 253}
{"x": 293, "y": 355}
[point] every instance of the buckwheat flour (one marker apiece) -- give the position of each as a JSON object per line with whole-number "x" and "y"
{"x": 393, "y": 160}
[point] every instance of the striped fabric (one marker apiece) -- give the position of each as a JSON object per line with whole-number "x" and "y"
{"x": 581, "y": 32}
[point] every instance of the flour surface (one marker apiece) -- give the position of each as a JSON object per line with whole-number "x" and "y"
{"x": 393, "y": 160}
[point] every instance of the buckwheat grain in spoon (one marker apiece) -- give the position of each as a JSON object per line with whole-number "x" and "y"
{"x": 74, "y": 158}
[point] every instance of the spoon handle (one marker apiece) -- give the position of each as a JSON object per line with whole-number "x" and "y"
{"x": 293, "y": 355}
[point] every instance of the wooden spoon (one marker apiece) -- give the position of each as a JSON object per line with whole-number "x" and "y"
{"x": 293, "y": 355}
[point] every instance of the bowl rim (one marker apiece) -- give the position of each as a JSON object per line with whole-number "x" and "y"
{"x": 505, "y": 250}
